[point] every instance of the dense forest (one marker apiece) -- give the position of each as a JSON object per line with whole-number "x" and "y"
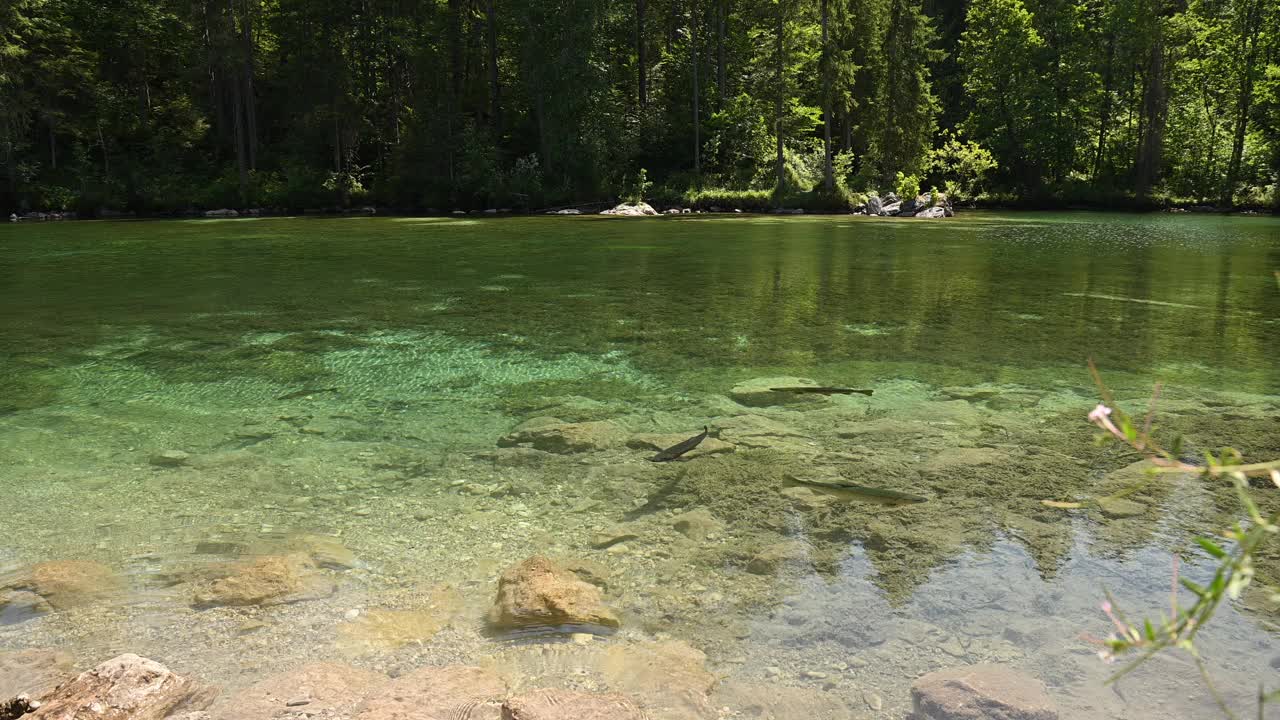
{"x": 153, "y": 105}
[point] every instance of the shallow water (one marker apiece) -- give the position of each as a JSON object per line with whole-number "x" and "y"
{"x": 350, "y": 378}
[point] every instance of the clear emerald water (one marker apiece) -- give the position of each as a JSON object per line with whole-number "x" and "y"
{"x": 351, "y": 378}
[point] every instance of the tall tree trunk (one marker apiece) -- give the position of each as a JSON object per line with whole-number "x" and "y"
{"x": 1252, "y": 24}
{"x": 455, "y": 53}
{"x": 238, "y": 114}
{"x": 642, "y": 81}
{"x": 1104, "y": 119}
{"x": 495, "y": 90}
{"x": 828, "y": 181}
{"x": 693, "y": 59}
{"x": 53, "y": 145}
{"x": 250, "y": 102}
{"x": 722, "y": 21}
{"x": 1154, "y": 112}
{"x": 779, "y": 91}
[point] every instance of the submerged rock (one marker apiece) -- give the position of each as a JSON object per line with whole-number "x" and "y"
{"x": 563, "y": 704}
{"x": 33, "y": 673}
{"x": 267, "y": 580}
{"x": 170, "y": 458}
{"x": 537, "y": 592}
{"x": 697, "y": 524}
{"x": 775, "y": 557}
{"x": 1117, "y": 507}
{"x": 325, "y": 551}
{"x": 980, "y": 692}
{"x": 614, "y": 535}
{"x": 760, "y": 392}
{"x": 64, "y": 583}
{"x": 454, "y": 692}
{"x": 375, "y": 630}
{"x": 319, "y": 690}
{"x": 961, "y": 458}
{"x": 565, "y": 438}
{"x": 127, "y": 687}
{"x": 779, "y": 702}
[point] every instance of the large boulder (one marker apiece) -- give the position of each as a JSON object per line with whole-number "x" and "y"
{"x": 631, "y": 210}
{"x": 550, "y": 435}
{"x": 438, "y": 693}
{"x": 566, "y": 704}
{"x": 874, "y": 205}
{"x": 932, "y": 213}
{"x": 127, "y": 687}
{"x": 537, "y": 592}
{"x": 980, "y": 692}
{"x": 318, "y": 690}
{"x": 891, "y": 209}
{"x": 266, "y": 580}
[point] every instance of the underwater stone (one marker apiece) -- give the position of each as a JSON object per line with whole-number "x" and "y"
{"x": 539, "y": 592}
{"x": 170, "y": 459}
{"x": 697, "y": 524}
{"x": 127, "y": 687}
{"x": 772, "y": 558}
{"x": 333, "y": 691}
{"x": 561, "y": 704}
{"x": 980, "y": 692}
{"x": 64, "y": 583}
{"x": 267, "y": 580}
{"x": 33, "y": 672}
{"x": 779, "y": 702}
{"x": 469, "y": 693}
{"x": 1117, "y": 507}
{"x": 614, "y": 535}
{"x": 566, "y": 438}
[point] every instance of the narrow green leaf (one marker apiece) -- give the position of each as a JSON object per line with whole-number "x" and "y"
{"x": 1211, "y": 547}
{"x": 1151, "y": 631}
{"x": 1193, "y": 587}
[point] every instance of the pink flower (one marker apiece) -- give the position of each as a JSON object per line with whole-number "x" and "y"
{"x": 1099, "y": 414}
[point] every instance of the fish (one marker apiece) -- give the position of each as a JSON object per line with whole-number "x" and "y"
{"x": 823, "y": 390}
{"x": 1061, "y": 504}
{"x": 850, "y": 491}
{"x": 681, "y": 448}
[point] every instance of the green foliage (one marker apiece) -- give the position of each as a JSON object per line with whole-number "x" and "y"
{"x": 745, "y": 200}
{"x": 159, "y": 104}
{"x": 638, "y": 187}
{"x": 907, "y": 186}
{"x": 963, "y": 164}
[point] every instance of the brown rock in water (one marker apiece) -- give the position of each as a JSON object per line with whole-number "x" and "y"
{"x": 980, "y": 692}
{"x": 64, "y": 583}
{"x": 565, "y": 438}
{"x": 778, "y": 702}
{"x": 438, "y": 693}
{"x": 570, "y": 705}
{"x": 1117, "y": 507}
{"x": 375, "y": 630}
{"x": 32, "y": 672}
{"x": 325, "y": 551}
{"x": 697, "y": 524}
{"x": 538, "y": 592}
{"x": 668, "y": 680}
{"x": 328, "y": 689}
{"x": 774, "y": 557}
{"x": 267, "y": 580}
{"x": 124, "y": 688}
